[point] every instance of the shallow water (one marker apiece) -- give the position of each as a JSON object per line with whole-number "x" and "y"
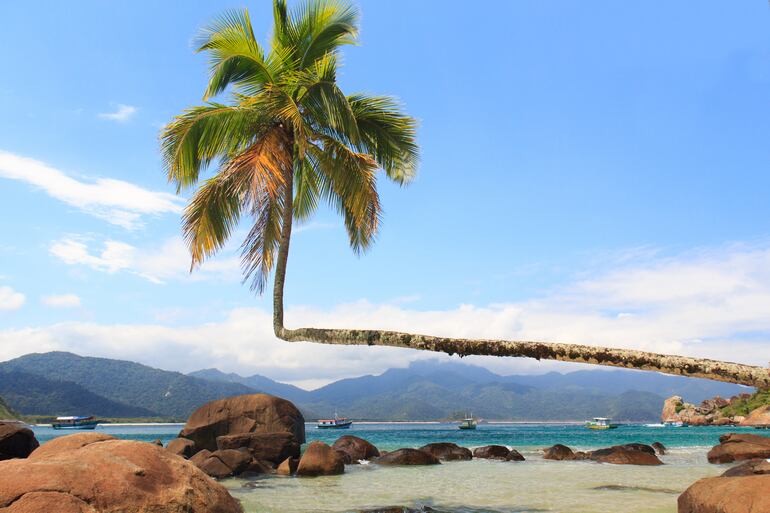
{"x": 535, "y": 485}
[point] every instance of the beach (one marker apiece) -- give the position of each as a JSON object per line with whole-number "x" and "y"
{"x": 534, "y": 485}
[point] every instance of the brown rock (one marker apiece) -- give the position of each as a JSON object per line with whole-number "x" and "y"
{"x": 492, "y": 452}
{"x": 407, "y": 457}
{"x": 320, "y": 460}
{"x": 558, "y": 452}
{"x": 288, "y": 467}
{"x": 659, "y": 448}
{"x": 727, "y": 495}
{"x": 749, "y": 468}
{"x": 255, "y": 413}
{"x": 447, "y": 451}
{"x": 514, "y": 455}
{"x": 671, "y": 408}
{"x": 109, "y": 476}
{"x": 739, "y": 446}
{"x": 272, "y": 447}
{"x": 215, "y": 468}
{"x": 626, "y": 455}
{"x": 758, "y": 417}
{"x": 181, "y": 447}
{"x": 199, "y": 457}
{"x": 355, "y": 449}
{"x": 64, "y": 444}
{"x": 16, "y": 441}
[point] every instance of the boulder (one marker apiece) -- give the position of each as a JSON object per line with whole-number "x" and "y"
{"x": 558, "y": 452}
{"x": 69, "y": 443}
{"x": 181, "y": 447}
{"x": 758, "y": 417}
{"x": 355, "y": 449}
{"x": 255, "y": 413}
{"x": 447, "y": 451}
{"x": 407, "y": 457}
{"x": 659, "y": 448}
{"x": 199, "y": 457}
{"x": 747, "y": 494}
{"x": 671, "y": 408}
{"x": 272, "y": 447}
{"x": 288, "y": 467}
{"x": 492, "y": 452}
{"x": 109, "y": 476}
{"x": 630, "y": 454}
{"x": 749, "y": 468}
{"x": 514, "y": 455}
{"x": 739, "y": 446}
{"x": 229, "y": 462}
{"x": 16, "y": 441}
{"x": 320, "y": 460}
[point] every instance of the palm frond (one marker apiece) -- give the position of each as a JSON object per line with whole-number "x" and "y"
{"x": 259, "y": 246}
{"x": 199, "y": 135}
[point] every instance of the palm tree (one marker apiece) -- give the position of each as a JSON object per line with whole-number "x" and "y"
{"x": 288, "y": 139}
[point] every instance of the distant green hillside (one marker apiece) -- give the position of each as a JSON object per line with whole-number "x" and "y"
{"x": 5, "y": 411}
{"x": 149, "y": 392}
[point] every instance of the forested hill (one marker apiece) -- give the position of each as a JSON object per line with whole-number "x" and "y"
{"x": 63, "y": 383}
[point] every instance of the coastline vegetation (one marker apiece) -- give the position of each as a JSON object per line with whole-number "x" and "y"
{"x": 744, "y": 406}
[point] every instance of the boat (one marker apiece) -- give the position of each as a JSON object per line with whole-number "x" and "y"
{"x": 600, "y": 423}
{"x": 675, "y": 423}
{"x": 468, "y": 423}
{"x": 335, "y": 423}
{"x": 658, "y": 425}
{"x": 75, "y": 423}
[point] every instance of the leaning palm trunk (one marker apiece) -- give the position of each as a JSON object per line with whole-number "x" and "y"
{"x": 741, "y": 374}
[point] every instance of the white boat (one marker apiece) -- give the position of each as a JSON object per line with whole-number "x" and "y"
{"x": 468, "y": 423}
{"x": 658, "y": 425}
{"x": 600, "y": 423}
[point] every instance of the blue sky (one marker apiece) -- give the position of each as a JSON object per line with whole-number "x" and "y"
{"x": 594, "y": 172}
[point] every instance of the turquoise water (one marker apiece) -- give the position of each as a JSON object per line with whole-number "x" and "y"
{"x": 393, "y": 436}
{"x": 480, "y": 486}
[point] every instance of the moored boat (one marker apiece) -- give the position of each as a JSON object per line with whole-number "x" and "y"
{"x": 75, "y": 423}
{"x": 468, "y": 423}
{"x": 675, "y": 423}
{"x": 335, "y": 423}
{"x": 600, "y": 423}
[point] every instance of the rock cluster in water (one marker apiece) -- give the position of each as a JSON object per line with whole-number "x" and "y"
{"x": 628, "y": 454}
{"x": 711, "y": 412}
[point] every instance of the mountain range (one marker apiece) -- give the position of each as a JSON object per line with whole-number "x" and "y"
{"x": 59, "y": 383}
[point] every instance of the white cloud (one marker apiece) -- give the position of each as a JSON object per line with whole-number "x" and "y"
{"x": 116, "y": 201}
{"x": 121, "y": 114}
{"x": 10, "y": 299}
{"x": 709, "y": 304}
{"x": 61, "y": 301}
{"x": 170, "y": 261}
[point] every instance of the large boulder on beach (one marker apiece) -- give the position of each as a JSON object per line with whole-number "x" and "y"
{"x": 272, "y": 447}
{"x": 758, "y": 417}
{"x": 255, "y": 413}
{"x": 629, "y": 454}
{"x": 16, "y": 441}
{"x": 558, "y": 452}
{"x": 407, "y": 457}
{"x": 447, "y": 451}
{"x": 320, "y": 460}
{"x": 747, "y": 494}
{"x": 64, "y": 444}
{"x": 355, "y": 449}
{"x": 288, "y": 467}
{"x": 181, "y": 447}
{"x": 739, "y": 446}
{"x": 95, "y": 474}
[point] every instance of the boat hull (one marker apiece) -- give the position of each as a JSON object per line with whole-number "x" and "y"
{"x": 84, "y": 425}
{"x": 602, "y": 428}
{"x": 341, "y": 425}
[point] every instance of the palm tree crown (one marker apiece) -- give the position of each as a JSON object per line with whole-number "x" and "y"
{"x": 287, "y": 138}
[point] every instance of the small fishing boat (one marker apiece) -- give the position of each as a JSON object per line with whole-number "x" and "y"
{"x": 335, "y": 423}
{"x": 75, "y": 423}
{"x": 468, "y": 423}
{"x": 600, "y": 423}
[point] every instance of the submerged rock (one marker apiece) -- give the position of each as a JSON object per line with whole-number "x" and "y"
{"x": 514, "y": 455}
{"x": 749, "y": 468}
{"x": 739, "y": 446}
{"x": 558, "y": 452}
{"x": 92, "y": 473}
{"x": 659, "y": 448}
{"x": 407, "y": 457}
{"x": 355, "y": 449}
{"x": 320, "y": 460}
{"x": 629, "y": 454}
{"x": 16, "y": 441}
{"x": 492, "y": 452}
{"x": 255, "y": 413}
{"x": 447, "y": 451}
{"x": 747, "y": 494}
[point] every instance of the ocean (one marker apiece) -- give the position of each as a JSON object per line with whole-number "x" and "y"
{"x": 483, "y": 486}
